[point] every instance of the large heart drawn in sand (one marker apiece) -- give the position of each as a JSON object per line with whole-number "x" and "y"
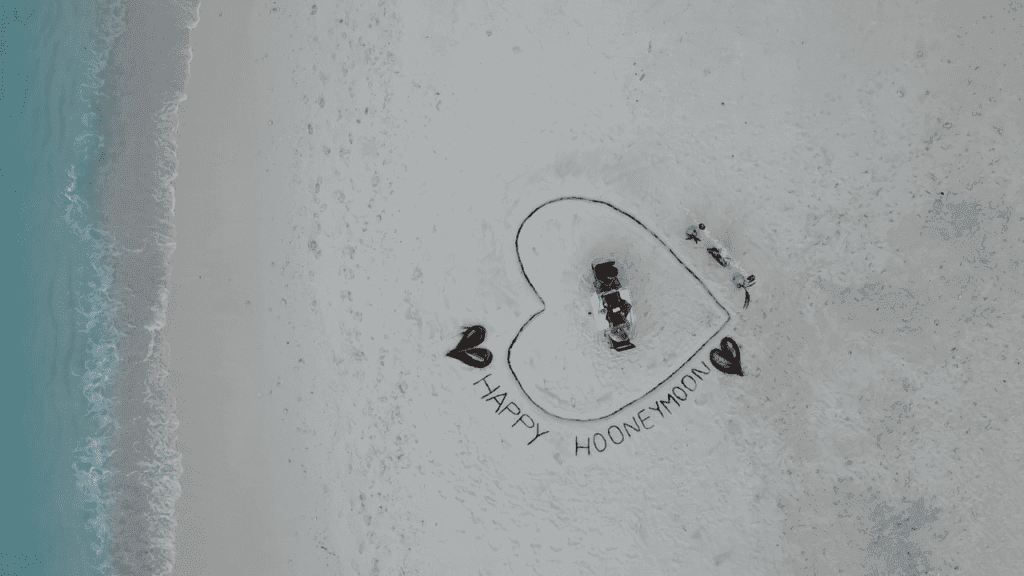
{"x": 561, "y": 357}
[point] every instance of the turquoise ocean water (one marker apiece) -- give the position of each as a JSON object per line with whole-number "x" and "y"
{"x": 90, "y": 473}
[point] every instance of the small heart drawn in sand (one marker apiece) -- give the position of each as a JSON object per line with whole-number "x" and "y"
{"x": 467, "y": 351}
{"x": 727, "y": 358}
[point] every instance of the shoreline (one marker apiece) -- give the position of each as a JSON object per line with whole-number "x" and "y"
{"x": 248, "y": 349}
{"x": 214, "y": 337}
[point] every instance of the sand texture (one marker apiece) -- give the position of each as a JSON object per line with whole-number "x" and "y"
{"x": 351, "y": 183}
{"x": 562, "y": 360}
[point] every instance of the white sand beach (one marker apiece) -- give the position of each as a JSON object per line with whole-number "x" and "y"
{"x": 351, "y": 180}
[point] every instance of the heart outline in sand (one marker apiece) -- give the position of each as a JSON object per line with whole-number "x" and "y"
{"x": 697, "y": 341}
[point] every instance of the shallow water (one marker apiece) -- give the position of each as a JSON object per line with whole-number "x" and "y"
{"x": 79, "y": 392}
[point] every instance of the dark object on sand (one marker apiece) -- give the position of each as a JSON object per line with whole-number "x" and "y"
{"x": 467, "y": 351}
{"x": 744, "y": 283}
{"x": 727, "y": 358}
{"x": 718, "y": 256}
{"x": 616, "y": 308}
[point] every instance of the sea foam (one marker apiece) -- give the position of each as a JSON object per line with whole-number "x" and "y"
{"x": 112, "y": 75}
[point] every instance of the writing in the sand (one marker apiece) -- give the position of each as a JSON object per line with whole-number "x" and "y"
{"x": 503, "y": 405}
{"x": 616, "y": 434}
